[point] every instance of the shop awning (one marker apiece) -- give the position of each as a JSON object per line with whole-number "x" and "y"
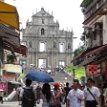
{"x": 90, "y": 52}
{"x": 81, "y": 55}
{"x": 9, "y": 35}
{"x": 99, "y": 49}
{"x": 9, "y": 15}
{"x": 21, "y": 50}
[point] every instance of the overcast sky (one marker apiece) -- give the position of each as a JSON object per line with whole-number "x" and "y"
{"x": 67, "y": 12}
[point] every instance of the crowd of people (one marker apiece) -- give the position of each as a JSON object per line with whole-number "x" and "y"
{"x": 76, "y": 95}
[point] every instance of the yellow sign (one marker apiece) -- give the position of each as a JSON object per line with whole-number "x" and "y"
{"x": 12, "y": 68}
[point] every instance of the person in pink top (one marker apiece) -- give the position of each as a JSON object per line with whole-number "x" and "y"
{"x": 57, "y": 96}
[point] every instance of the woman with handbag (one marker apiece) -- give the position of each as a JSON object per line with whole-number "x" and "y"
{"x": 57, "y": 96}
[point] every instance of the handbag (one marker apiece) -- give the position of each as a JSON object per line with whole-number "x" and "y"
{"x": 96, "y": 103}
{"x": 52, "y": 103}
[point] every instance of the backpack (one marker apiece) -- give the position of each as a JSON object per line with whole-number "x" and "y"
{"x": 67, "y": 89}
{"x": 28, "y": 97}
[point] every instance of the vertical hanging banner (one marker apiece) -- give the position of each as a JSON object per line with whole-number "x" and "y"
{"x": 92, "y": 69}
{"x": 3, "y": 86}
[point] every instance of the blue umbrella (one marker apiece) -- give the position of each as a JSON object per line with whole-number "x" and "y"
{"x": 40, "y": 76}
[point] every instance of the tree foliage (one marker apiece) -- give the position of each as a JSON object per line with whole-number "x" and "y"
{"x": 86, "y": 3}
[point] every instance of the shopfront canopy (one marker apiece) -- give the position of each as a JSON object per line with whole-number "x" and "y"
{"x": 89, "y": 52}
{"x": 99, "y": 49}
{"x": 21, "y": 50}
{"x": 9, "y": 35}
{"x": 9, "y": 15}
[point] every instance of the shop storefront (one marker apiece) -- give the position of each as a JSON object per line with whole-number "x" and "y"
{"x": 10, "y": 75}
{"x": 96, "y": 57}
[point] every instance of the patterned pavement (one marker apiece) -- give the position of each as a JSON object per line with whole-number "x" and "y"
{"x": 16, "y": 104}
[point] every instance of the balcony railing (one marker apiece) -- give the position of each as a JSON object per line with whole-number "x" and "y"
{"x": 93, "y": 7}
{"x": 86, "y": 3}
{"x": 90, "y": 6}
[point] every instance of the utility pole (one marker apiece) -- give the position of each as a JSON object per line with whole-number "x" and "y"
{"x": 1, "y": 56}
{"x": 73, "y": 73}
{"x": 1, "y": 49}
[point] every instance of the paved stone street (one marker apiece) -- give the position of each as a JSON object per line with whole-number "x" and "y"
{"x": 15, "y": 104}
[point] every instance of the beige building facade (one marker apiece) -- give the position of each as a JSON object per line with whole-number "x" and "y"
{"x": 48, "y": 46}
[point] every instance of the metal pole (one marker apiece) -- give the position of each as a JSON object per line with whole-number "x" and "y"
{"x": 73, "y": 73}
{"x": 1, "y": 55}
{"x": 1, "y": 49}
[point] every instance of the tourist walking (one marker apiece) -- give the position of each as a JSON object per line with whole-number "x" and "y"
{"x": 105, "y": 93}
{"x": 18, "y": 93}
{"x": 57, "y": 96}
{"x": 38, "y": 94}
{"x": 27, "y": 95}
{"x": 66, "y": 89}
{"x": 92, "y": 94}
{"x": 75, "y": 96}
{"x": 46, "y": 95}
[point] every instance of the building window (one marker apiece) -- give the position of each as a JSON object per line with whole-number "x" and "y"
{"x": 42, "y": 63}
{"x": 42, "y": 21}
{"x": 94, "y": 35}
{"x": 42, "y": 31}
{"x": 54, "y": 44}
{"x": 30, "y": 44}
{"x": 69, "y": 46}
{"x": 61, "y": 63}
{"x": 42, "y": 46}
{"x": 61, "y": 47}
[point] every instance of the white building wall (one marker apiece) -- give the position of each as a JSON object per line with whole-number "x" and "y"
{"x": 105, "y": 30}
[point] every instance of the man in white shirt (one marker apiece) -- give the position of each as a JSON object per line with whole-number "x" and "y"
{"x": 92, "y": 94}
{"x": 75, "y": 96}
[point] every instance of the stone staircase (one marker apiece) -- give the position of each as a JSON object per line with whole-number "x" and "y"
{"x": 62, "y": 77}
{"x": 59, "y": 76}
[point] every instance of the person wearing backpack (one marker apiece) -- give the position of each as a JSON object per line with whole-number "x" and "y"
{"x": 27, "y": 95}
{"x": 66, "y": 89}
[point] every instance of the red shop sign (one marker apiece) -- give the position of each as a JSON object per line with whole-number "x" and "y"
{"x": 92, "y": 69}
{"x": 3, "y": 86}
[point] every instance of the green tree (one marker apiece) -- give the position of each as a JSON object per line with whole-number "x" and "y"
{"x": 77, "y": 52}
